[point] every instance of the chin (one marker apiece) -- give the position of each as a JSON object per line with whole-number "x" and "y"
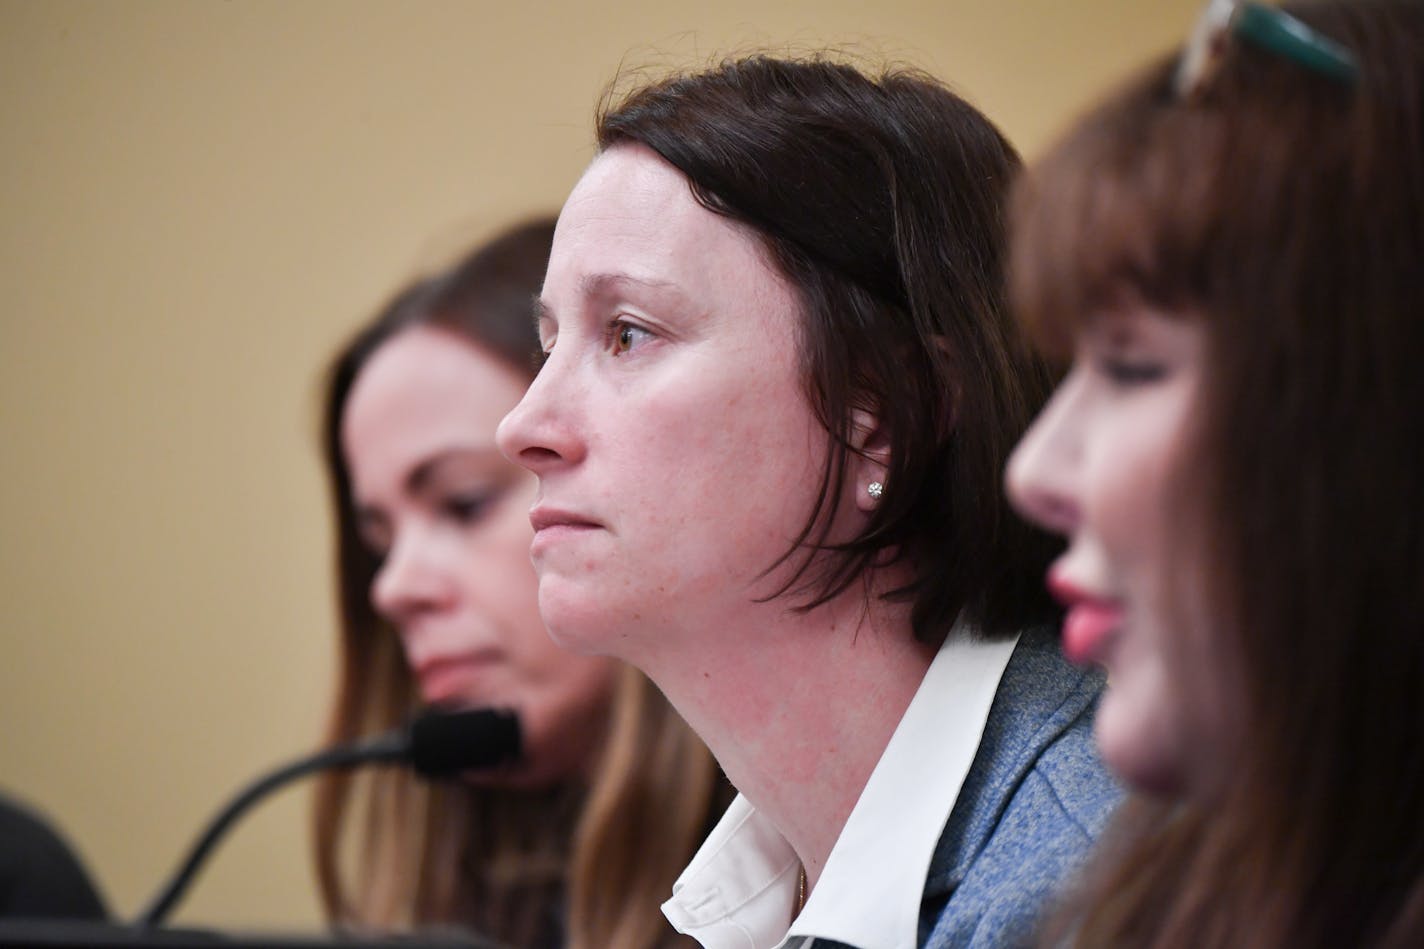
{"x": 580, "y": 624}
{"x": 575, "y": 637}
{"x": 1141, "y": 756}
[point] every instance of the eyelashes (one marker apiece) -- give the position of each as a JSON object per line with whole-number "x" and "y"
{"x": 462, "y": 510}
{"x": 624, "y": 337}
{"x": 1125, "y": 372}
{"x": 469, "y": 508}
{"x": 620, "y": 337}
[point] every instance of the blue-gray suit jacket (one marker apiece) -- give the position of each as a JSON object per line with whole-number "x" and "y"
{"x": 1035, "y": 799}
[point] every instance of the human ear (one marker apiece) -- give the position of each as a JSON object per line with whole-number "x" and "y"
{"x": 869, "y": 458}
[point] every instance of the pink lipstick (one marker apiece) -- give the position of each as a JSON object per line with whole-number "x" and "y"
{"x": 1090, "y": 623}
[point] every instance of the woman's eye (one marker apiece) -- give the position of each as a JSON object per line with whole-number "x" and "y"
{"x": 626, "y": 336}
{"x": 466, "y": 509}
{"x": 1125, "y": 372}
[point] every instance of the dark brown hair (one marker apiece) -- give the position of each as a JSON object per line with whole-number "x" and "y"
{"x": 1284, "y": 210}
{"x": 881, "y": 200}
{"x": 575, "y": 866}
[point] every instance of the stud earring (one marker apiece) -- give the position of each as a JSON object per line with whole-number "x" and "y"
{"x": 875, "y": 489}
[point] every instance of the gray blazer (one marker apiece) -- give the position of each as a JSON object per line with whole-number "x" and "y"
{"x": 1035, "y": 799}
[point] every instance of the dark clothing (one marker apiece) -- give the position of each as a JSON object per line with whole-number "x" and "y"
{"x": 40, "y": 876}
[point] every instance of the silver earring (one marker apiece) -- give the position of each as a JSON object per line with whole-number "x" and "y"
{"x": 875, "y": 489}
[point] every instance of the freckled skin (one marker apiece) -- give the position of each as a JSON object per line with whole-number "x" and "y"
{"x": 696, "y": 449}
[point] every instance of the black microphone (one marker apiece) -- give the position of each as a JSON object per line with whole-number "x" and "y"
{"x": 440, "y": 742}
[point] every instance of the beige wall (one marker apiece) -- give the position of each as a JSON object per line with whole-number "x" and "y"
{"x": 198, "y": 200}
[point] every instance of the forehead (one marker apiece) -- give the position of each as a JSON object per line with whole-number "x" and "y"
{"x": 423, "y": 389}
{"x": 633, "y": 214}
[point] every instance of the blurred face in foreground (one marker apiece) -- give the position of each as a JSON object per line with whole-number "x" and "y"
{"x": 448, "y": 516}
{"x": 1105, "y": 465}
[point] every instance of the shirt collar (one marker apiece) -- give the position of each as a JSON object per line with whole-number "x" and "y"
{"x": 740, "y": 890}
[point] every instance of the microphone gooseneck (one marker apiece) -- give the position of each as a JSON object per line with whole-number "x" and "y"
{"x": 438, "y": 743}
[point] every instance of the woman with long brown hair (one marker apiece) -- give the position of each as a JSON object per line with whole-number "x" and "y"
{"x": 576, "y": 844}
{"x": 1232, "y": 251}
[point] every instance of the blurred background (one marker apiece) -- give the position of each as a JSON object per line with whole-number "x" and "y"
{"x": 199, "y": 200}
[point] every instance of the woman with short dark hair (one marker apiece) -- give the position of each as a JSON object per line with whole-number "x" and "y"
{"x": 780, "y": 387}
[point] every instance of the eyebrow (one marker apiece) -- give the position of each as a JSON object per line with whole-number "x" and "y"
{"x": 604, "y": 284}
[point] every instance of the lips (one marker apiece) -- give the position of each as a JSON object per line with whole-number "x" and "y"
{"x": 547, "y": 518}
{"x": 456, "y": 679}
{"x": 553, "y": 526}
{"x": 1090, "y": 624}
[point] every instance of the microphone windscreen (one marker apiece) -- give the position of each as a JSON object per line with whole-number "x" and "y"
{"x": 445, "y": 742}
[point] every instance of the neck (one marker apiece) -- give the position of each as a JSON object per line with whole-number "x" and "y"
{"x": 797, "y": 708}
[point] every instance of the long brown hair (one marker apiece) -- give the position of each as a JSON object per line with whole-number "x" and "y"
{"x": 579, "y": 866}
{"x": 1284, "y": 209}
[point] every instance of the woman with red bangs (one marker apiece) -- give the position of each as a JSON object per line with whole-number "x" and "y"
{"x": 1237, "y": 461}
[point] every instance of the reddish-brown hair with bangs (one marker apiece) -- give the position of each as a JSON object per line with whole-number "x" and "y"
{"x": 1285, "y": 210}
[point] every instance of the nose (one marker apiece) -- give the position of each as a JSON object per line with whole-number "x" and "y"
{"x": 411, "y": 581}
{"x": 1043, "y": 472}
{"x": 543, "y": 431}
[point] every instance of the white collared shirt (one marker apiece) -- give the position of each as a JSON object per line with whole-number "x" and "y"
{"x": 740, "y": 890}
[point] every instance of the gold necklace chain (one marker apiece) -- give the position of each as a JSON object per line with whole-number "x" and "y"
{"x": 801, "y": 890}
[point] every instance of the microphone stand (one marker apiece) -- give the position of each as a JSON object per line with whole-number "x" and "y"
{"x": 391, "y": 748}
